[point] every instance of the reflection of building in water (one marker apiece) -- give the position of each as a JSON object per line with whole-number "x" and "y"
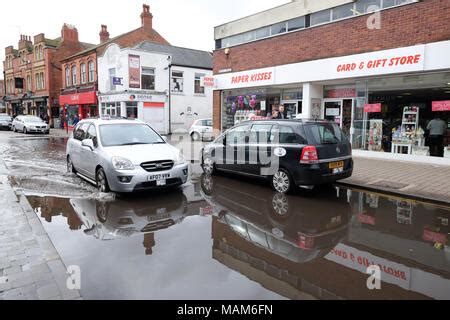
{"x": 320, "y": 278}
{"x": 49, "y": 207}
{"x": 149, "y": 243}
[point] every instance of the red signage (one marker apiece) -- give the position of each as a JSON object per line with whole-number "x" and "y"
{"x": 441, "y": 105}
{"x": 154, "y": 104}
{"x": 372, "y": 108}
{"x": 134, "y": 70}
{"x": 380, "y": 63}
{"x": 434, "y": 237}
{"x": 366, "y": 219}
{"x": 341, "y": 93}
{"x": 253, "y": 77}
{"x": 78, "y": 98}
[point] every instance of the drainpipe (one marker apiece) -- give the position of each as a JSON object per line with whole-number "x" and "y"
{"x": 170, "y": 94}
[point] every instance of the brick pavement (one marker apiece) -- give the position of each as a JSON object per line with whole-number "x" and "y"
{"x": 422, "y": 181}
{"x": 30, "y": 267}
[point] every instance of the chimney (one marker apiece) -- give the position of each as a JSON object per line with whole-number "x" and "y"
{"x": 146, "y": 18}
{"x": 104, "y": 34}
{"x": 69, "y": 33}
{"x": 25, "y": 41}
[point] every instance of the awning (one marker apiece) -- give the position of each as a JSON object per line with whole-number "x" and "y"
{"x": 78, "y": 98}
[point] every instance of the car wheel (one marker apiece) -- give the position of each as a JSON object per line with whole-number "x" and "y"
{"x": 70, "y": 167}
{"x": 282, "y": 181}
{"x": 102, "y": 182}
{"x": 195, "y": 136}
{"x": 102, "y": 212}
{"x": 208, "y": 166}
{"x": 280, "y": 206}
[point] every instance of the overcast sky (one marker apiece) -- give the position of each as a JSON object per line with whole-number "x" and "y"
{"x": 186, "y": 23}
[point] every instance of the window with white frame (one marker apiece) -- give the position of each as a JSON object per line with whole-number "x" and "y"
{"x": 198, "y": 84}
{"x": 74, "y": 76}
{"x": 91, "y": 71}
{"x": 148, "y": 78}
{"x": 68, "y": 77}
{"x": 83, "y": 73}
{"x": 177, "y": 84}
{"x": 112, "y": 109}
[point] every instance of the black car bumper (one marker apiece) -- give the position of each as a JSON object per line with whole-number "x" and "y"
{"x": 317, "y": 174}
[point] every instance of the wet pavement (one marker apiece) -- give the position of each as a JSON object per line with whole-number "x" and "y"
{"x": 227, "y": 237}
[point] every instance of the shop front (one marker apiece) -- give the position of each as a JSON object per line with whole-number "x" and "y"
{"x": 150, "y": 108}
{"x": 77, "y": 106}
{"x": 392, "y": 101}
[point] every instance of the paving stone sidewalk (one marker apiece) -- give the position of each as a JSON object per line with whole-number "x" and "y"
{"x": 422, "y": 181}
{"x": 30, "y": 267}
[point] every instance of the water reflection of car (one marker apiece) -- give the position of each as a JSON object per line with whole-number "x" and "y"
{"x": 107, "y": 220}
{"x": 299, "y": 229}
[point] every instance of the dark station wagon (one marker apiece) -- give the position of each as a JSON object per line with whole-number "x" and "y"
{"x": 289, "y": 153}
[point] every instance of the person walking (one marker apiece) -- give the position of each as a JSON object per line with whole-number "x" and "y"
{"x": 437, "y": 128}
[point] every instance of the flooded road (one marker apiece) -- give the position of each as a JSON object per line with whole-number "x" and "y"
{"x": 231, "y": 238}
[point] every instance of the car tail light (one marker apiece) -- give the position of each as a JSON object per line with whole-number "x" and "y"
{"x": 309, "y": 155}
{"x": 305, "y": 242}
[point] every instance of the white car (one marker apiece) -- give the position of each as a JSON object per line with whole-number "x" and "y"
{"x": 201, "y": 130}
{"x": 30, "y": 124}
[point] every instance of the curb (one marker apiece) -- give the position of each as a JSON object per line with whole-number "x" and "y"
{"x": 424, "y": 199}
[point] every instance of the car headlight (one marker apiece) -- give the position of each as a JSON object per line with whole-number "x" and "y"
{"x": 180, "y": 159}
{"x": 120, "y": 163}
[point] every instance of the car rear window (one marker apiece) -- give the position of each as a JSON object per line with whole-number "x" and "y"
{"x": 324, "y": 133}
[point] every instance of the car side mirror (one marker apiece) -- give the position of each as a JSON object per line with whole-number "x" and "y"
{"x": 88, "y": 143}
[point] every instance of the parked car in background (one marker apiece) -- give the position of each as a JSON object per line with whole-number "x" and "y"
{"x": 30, "y": 124}
{"x": 289, "y": 153}
{"x": 202, "y": 130}
{"x": 124, "y": 156}
{"x": 5, "y": 121}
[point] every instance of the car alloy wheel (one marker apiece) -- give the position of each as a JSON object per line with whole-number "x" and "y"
{"x": 102, "y": 183}
{"x": 208, "y": 165}
{"x": 281, "y": 181}
{"x": 195, "y": 136}
{"x": 280, "y": 205}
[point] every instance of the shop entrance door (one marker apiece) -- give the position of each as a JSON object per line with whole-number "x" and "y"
{"x": 333, "y": 111}
{"x": 291, "y": 109}
{"x": 340, "y": 112}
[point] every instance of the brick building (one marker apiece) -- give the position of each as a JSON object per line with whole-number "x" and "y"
{"x": 33, "y": 72}
{"x": 2, "y": 95}
{"x": 373, "y": 66}
{"x": 80, "y": 77}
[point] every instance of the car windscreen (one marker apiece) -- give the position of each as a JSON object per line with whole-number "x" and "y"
{"x": 112, "y": 135}
{"x": 32, "y": 119}
{"x": 324, "y": 133}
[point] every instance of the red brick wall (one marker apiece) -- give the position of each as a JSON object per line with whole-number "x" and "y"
{"x": 77, "y": 61}
{"x": 216, "y": 110}
{"x": 408, "y": 25}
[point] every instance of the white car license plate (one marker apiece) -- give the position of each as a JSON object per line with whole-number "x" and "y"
{"x": 159, "y": 178}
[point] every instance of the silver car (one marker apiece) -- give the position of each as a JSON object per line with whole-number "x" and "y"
{"x": 124, "y": 156}
{"x": 30, "y": 124}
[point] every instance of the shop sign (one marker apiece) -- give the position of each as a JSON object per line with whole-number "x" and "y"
{"x": 126, "y": 97}
{"x": 341, "y": 93}
{"x": 253, "y": 78}
{"x": 372, "y": 108}
{"x": 358, "y": 260}
{"x": 78, "y": 98}
{"x": 117, "y": 81}
{"x": 333, "y": 112}
{"x": 441, "y": 106}
{"x": 134, "y": 70}
{"x": 154, "y": 104}
{"x": 207, "y": 81}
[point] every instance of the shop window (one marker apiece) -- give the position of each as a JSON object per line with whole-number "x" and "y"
{"x": 320, "y": 17}
{"x": 83, "y": 73}
{"x": 262, "y": 33}
{"x": 295, "y": 24}
{"x": 392, "y": 3}
{"x": 366, "y": 6}
{"x": 278, "y": 28}
{"x": 148, "y": 78}
{"x": 132, "y": 110}
{"x": 91, "y": 71}
{"x": 72, "y": 115}
{"x": 197, "y": 84}
{"x": 344, "y": 11}
{"x": 177, "y": 81}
